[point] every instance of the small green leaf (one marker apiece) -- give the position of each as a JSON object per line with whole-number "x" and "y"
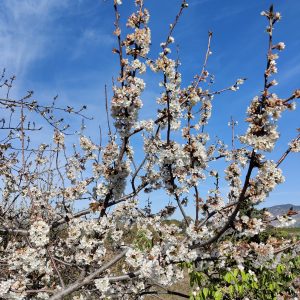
{"x": 244, "y": 276}
{"x": 228, "y": 277}
{"x": 218, "y": 295}
{"x": 231, "y": 290}
{"x": 240, "y": 289}
{"x": 205, "y": 292}
{"x": 235, "y": 272}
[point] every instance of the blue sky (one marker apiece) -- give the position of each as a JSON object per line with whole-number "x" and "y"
{"x": 64, "y": 47}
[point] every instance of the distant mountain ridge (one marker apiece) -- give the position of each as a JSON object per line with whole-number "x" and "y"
{"x": 283, "y": 209}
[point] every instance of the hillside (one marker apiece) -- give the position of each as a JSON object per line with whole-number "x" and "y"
{"x": 283, "y": 209}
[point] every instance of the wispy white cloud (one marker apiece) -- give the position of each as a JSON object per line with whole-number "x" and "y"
{"x": 228, "y": 12}
{"x": 23, "y": 31}
{"x": 91, "y": 38}
{"x": 292, "y": 72}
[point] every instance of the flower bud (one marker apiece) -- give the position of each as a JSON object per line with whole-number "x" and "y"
{"x": 280, "y": 46}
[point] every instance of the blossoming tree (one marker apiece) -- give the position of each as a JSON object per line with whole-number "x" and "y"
{"x": 114, "y": 248}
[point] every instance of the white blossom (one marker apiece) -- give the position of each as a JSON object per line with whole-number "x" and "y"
{"x": 102, "y": 284}
{"x": 39, "y": 233}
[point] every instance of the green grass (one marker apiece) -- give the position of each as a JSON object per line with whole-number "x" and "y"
{"x": 289, "y": 231}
